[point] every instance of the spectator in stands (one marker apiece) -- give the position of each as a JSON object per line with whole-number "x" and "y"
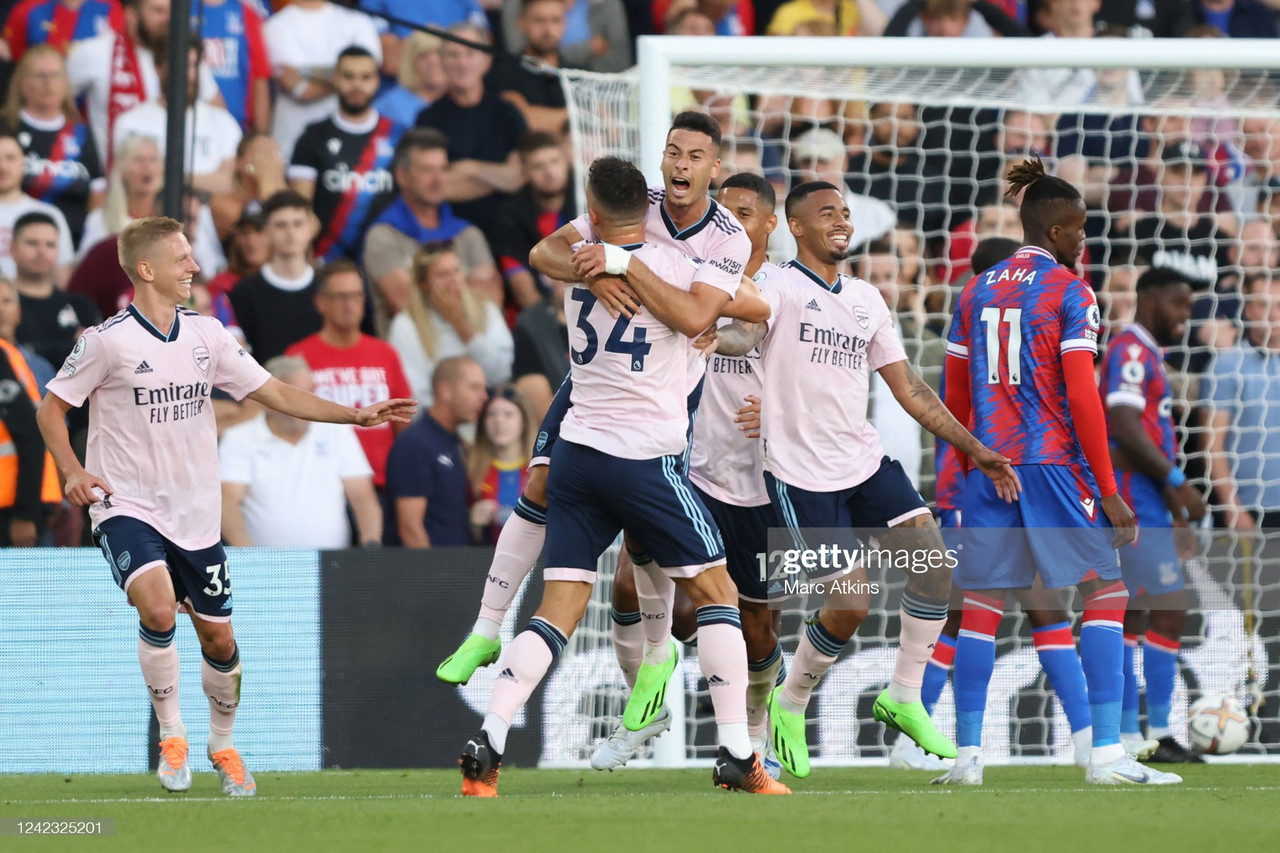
{"x": 952, "y": 19}
{"x": 541, "y": 346}
{"x": 1255, "y": 250}
{"x": 1119, "y": 297}
{"x": 544, "y": 204}
{"x": 894, "y": 169}
{"x": 304, "y": 40}
{"x": 419, "y": 81}
{"x": 728, "y": 17}
{"x": 904, "y": 440}
{"x": 211, "y": 136}
{"x": 61, "y": 24}
{"x": 731, "y": 111}
{"x": 420, "y": 215}
{"x": 849, "y": 18}
{"x": 820, "y": 155}
{"x": 537, "y": 94}
{"x": 497, "y": 464}
{"x": 427, "y": 471}
{"x": 234, "y": 46}
{"x": 1244, "y": 419}
{"x": 258, "y": 174}
{"x": 287, "y": 482}
{"x": 1238, "y": 18}
{"x": 1261, "y": 148}
{"x": 343, "y": 163}
{"x": 14, "y": 203}
{"x": 440, "y": 14}
{"x": 10, "y": 319}
{"x": 1067, "y": 87}
{"x": 443, "y": 319}
{"x": 596, "y": 34}
{"x": 483, "y": 131}
{"x": 1177, "y": 235}
{"x": 349, "y": 367}
{"x": 247, "y": 251}
{"x": 1164, "y": 19}
{"x": 62, "y": 165}
{"x": 52, "y": 319}
{"x": 136, "y": 178}
{"x": 743, "y": 154}
{"x": 98, "y": 274}
{"x": 116, "y": 70}
{"x": 29, "y": 490}
{"x": 276, "y": 308}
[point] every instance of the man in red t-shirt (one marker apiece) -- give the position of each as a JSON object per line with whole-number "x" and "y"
{"x": 349, "y": 366}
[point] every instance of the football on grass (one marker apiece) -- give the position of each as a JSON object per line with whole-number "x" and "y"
{"x": 1217, "y": 725}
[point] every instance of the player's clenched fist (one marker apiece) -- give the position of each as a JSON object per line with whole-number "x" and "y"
{"x": 81, "y": 485}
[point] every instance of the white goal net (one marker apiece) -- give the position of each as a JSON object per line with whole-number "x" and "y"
{"x": 1176, "y": 147}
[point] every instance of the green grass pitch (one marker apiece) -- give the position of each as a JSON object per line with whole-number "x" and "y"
{"x": 1034, "y": 809}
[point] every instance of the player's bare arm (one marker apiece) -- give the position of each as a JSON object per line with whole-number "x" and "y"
{"x": 739, "y": 338}
{"x": 553, "y": 254}
{"x": 748, "y": 304}
{"x": 920, "y": 401}
{"x": 293, "y": 401}
{"x": 1136, "y": 451}
{"x": 80, "y": 484}
{"x": 688, "y": 312}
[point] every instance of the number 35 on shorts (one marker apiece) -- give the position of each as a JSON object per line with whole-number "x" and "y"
{"x": 219, "y": 580}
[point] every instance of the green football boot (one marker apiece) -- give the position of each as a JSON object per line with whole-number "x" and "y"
{"x": 787, "y": 730}
{"x": 475, "y": 652}
{"x": 912, "y": 720}
{"x": 650, "y": 693}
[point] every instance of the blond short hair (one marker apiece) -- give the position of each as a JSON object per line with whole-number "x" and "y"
{"x": 139, "y": 238}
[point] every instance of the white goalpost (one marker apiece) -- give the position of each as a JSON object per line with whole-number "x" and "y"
{"x": 921, "y": 130}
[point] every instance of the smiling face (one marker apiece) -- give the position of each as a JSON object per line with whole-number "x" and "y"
{"x": 821, "y": 225}
{"x": 169, "y": 268}
{"x": 689, "y": 163}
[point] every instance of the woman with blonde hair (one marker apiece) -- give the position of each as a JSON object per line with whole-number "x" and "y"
{"x": 497, "y": 464}
{"x": 420, "y": 80}
{"x": 62, "y": 164}
{"x": 136, "y": 177}
{"x": 445, "y": 319}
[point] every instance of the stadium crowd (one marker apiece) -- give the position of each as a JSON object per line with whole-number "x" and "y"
{"x": 362, "y": 199}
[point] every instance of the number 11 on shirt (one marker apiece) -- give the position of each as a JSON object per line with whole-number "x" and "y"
{"x": 992, "y": 317}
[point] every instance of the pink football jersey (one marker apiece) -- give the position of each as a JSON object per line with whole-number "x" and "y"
{"x": 723, "y": 462}
{"x": 630, "y": 376}
{"x": 822, "y": 343}
{"x": 152, "y": 433}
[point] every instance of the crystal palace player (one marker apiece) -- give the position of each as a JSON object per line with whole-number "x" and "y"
{"x": 628, "y": 425}
{"x": 154, "y": 494}
{"x": 1140, "y": 420}
{"x": 344, "y": 162}
{"x": 680, "y": 216}
{"x": 825, "y": 468}
{"x": 1050, "y": 624}
{"x": 1020, "y": 361}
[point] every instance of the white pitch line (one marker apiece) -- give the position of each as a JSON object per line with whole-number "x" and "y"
{"x": 933, "y": 791}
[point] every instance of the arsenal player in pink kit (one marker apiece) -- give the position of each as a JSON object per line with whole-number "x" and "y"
{"x": 681, "y": 216}
{"x": 151, "y": 475}
{"x": 825, "y": 468}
